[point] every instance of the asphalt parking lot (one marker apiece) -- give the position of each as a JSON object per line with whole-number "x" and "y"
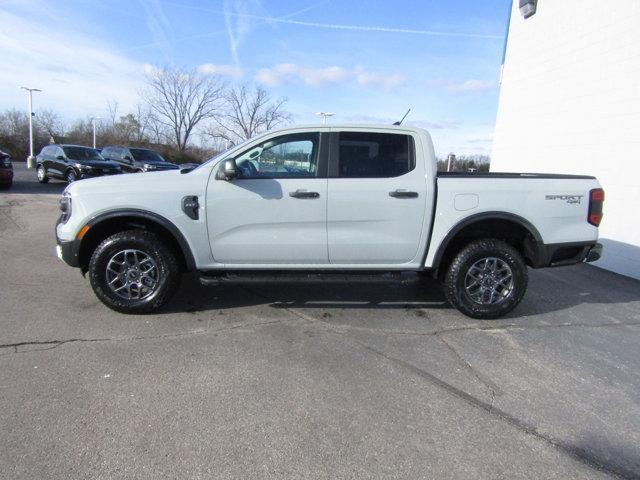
{"x": 308, "y": 381}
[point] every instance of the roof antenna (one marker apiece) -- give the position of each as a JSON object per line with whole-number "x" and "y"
{"x": 402, "y": 119}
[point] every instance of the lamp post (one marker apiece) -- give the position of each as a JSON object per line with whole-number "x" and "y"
{"x": 324, "y": 116}
{"x": 451, "y": 161}
{"x": 31, "y": 157}
{"x": 93, "y": 121}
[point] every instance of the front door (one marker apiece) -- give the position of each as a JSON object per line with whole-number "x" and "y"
{"x": 59, "y": 163}
{"x": 377, "y": 199}
{"x": 275, "y": 212}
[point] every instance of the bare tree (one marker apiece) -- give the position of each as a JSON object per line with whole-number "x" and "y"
{"x": 247, "y": 113}
{"x": 51, "y": 123}
{"x": 181, "y": 100}
{"x": 112, "y": 107}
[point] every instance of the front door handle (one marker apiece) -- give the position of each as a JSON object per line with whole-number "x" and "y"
{"x": 403, "y": 194}
{"x": 304, "y": 194}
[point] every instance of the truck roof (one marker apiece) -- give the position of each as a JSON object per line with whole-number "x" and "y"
{"x": 372, "y": 126}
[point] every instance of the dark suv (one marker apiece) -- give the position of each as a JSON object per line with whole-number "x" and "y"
{"x": 72, "y": 162}
{"x": 6, "y": 171}
{"x": 137, "y": 159}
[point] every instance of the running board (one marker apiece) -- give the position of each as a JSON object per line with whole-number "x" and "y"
{"x": 218, "y": 278}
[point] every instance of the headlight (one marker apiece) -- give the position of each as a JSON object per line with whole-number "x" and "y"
{"x": 148, "y": 167}
{"x": 83, "y": 168}
{"x": 65, "y": 207}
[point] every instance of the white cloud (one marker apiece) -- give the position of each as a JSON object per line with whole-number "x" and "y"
{"x": 284, "y": 73}
{"x": 467, "y": 86}
{"x": 222, "y": 70}
{"x": 77, "y": 74}
{"x": 379, "y": 80}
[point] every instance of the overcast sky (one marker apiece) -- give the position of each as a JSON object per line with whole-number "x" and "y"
{"x": 366, "y": 60}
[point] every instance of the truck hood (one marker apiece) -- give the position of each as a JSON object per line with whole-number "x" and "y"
{"x": 135, "y": 182}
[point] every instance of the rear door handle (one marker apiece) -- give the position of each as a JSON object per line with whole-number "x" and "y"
{"x": 304, "y": 194}
{"x": 403, "y": 194}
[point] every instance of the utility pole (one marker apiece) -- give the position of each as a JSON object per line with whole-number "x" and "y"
{"x": 451, "y": 161}
{"x": 93, "y": 121}
{"x": 31, "y": 158}
{"x": 324, "y": 116}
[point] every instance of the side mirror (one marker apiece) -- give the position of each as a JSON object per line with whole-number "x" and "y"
{"x": 128, "y": 158}
{"x": 228, "y": 170}
{"x": 59, "y": 157}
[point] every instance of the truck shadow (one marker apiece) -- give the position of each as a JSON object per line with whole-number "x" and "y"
{"x": 415, "y": 293}
{"x": 622, "y": 460}
{"x": 551, "y": 291}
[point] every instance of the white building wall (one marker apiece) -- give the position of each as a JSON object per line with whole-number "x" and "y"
{"x": 570, "y": 103}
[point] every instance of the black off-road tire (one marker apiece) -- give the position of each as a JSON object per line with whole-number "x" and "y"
{"x": 169, "y": 272}
{"x": 454, "y": 278}
{"x": 44, "y": 178}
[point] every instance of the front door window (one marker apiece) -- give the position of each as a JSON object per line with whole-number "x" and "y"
{"x": 288, "y": 156}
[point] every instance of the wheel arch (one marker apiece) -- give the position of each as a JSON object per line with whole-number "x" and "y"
{"x": 512, "y": 228}
{"x": 114, "y": 221}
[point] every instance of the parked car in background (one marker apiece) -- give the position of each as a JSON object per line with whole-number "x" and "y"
{"x": 72, "y": 162}
{"x": 6, "y": 171}
{"x": 135, "y": 160}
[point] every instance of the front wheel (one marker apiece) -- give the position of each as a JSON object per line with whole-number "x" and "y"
{"x": 134, "y": 272}
{"x": 71, "y": 176}
{"x": 42, "y": 174}
{"x": 486, "y": 279}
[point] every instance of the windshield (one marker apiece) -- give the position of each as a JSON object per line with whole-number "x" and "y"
{"x": 82, "y": 153}
{"x": 143, "y": 155}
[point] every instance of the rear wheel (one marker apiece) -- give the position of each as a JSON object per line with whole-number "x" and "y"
{"x": 134, "y": 272}
{"x": 486, "y": 279}
{"x": 42, "y": 174}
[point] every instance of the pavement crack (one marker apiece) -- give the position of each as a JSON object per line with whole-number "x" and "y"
{"x": 577, "y": 453}
{"x": 51, "y": 344}
{"x": 489, "y": 385}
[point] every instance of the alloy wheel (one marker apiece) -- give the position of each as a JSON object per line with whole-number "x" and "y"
{"x": 489, "y": 281}
{"x": 132, "y": 274}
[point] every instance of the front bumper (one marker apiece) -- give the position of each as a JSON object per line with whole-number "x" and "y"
{"x": 94, "y": 174}
{"x": 68, "y": 250}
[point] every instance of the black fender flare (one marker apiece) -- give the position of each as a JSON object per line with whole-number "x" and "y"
{"x": 479, "y": 217}
{"x": 154, "y": 217}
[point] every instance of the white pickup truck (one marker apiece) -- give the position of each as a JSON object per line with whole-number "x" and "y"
{"x": 320, "y": 202}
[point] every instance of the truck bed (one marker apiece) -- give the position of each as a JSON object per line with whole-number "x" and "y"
{"x": 514, "y": 175}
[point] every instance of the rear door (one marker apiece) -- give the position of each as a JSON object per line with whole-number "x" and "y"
{"x": 376, "y": 198}
{"x": 275, "y": 212}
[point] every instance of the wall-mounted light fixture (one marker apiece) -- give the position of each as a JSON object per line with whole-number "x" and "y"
{"x": 528, "y": 7}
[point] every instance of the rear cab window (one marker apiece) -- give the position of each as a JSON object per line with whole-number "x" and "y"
{"x": 374, "y": 155}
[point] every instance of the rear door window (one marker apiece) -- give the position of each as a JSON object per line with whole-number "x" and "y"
{"x": 374, "y": 155}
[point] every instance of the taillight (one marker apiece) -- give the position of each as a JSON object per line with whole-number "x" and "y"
{"x": 596, "y": 199}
